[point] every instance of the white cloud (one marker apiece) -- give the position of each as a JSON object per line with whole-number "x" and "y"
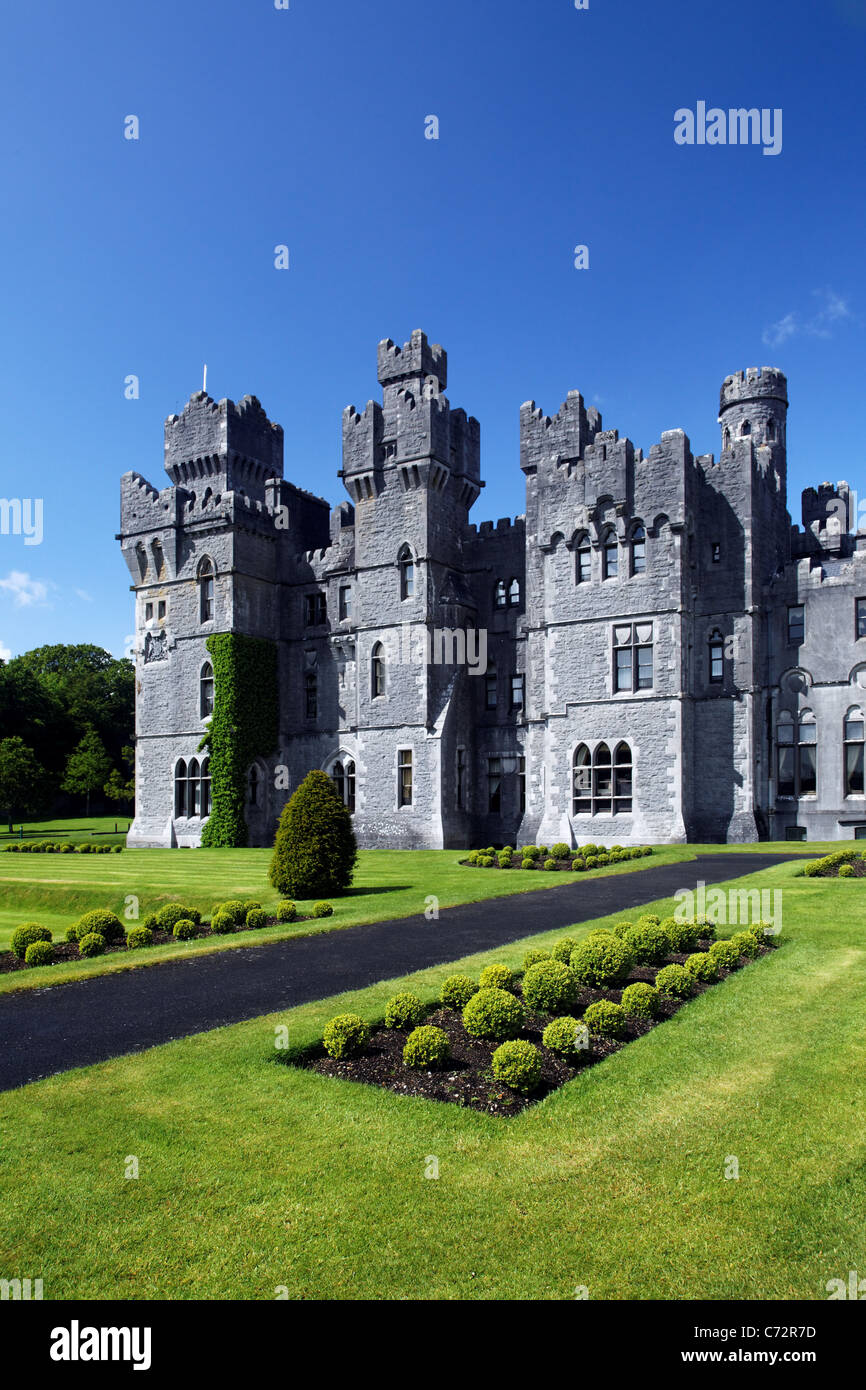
{"x": 84, "y": 595}
{"x": 24, "y": 590}
{"x": 830, "y": 310}
{"x": 129, "y": 644}
{"x": 5, "y": 653}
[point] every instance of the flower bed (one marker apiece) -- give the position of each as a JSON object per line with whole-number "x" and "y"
{"x": 609, "y": 995}
{"x": 559, "y": 858}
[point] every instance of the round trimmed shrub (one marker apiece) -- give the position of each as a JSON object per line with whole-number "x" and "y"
{"x": 27, "y": 935}
{"x": 39, "y": 953}
{"x": 494, "y": 1014}
{"x": 223, "y": 923}
{"x": 847, "y": 871}
{"x": 648, "y": 943}
{"x": 322, "y": 910}
{"x": 138, "y": 938}
{"x": 184, "y": 930}
{"x": 578, "y": 866}
{"x": 517, "y": 1065}
{"x": 702, "y": 966}
{"x": 286, "y": 911}
{"x": 527, "y": 863}
{"x": 561, "y": 851}
{"x": 551, "y": 865}
{"x": 102, "y": 922}
{"x": 457, "y": 991}
{"x": 531, "y": 852}
{"x": 115, "y": 849}
{"x": 725, "y": 954}
{"x": 172, "y": 913}
{"x": 601, "y": 961}
{"x": 534, "y": 956}
{"x": 650, "y": 920}
{"x": 315, "y": 851}
{"x": 497, "y": 977}
{"x": 250, "y": 905}
{"x": 549, "y": 987}
{"x": 404, "y": 1011}
{"x": 592, "y": 861}
{"x": 602, "y": 860}
{"x": 257, "y": 917}
{"x": 566, "y": 1037}
{"x": 234, "y": 908}
{"x": 747, "y": 944}
{"x": 426, "y": 1048}
{"x": 562, "y": 949}
{"x": 150, "y": 922}
{"x": 683, "y": 936}
{"x": 91, "y": 944}
{"x": 345, "y": 1035}
{"x": 606, "y": 1020}
{"x": 486, "y": 861}
{"x": 641, "y": 1000}
{"x": 504, "y": 859}
{"x": 619, "y": 929}
{"x": 676, "y": 981}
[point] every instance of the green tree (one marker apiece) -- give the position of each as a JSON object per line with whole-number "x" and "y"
{"x": 120, "y": 786}
{"x": 314, "y": 849}
{"x": 87, "y": 767}
{"x": 22, "y": 781}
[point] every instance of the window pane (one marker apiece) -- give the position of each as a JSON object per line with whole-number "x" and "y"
{"x": 785, "y": 733}
{"x": 796, "y": 624}
{"x": 584, "y": 565}
{"x": 808, "y": 771}
{"x": 623, "y": 669}
{"x": 786, "y": 772}
{"x": 861, "y": 617}
{"x": 644, "y": 668}
{"x": 808, "y": 733}
{"x": 611, "y": 561}
{"x": 854, "y": 730}
{"x": 854, "y": 770}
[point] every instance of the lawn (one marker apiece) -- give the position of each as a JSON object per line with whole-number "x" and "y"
{"x": 100, "y": 830}
{"x": 56, "y": 889}
{"x": 255, "y": 1177}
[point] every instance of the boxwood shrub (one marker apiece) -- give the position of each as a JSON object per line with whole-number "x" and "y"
{"x": 566, "y": 1036}
{"x": 223, "y": 923}
{"x": 676, "y": 981}
{"x": 641, "y": 1000}
{"x": 109, "y": 927}
{"x": 91, "y": 944}
{"x": 404, "y": 1011}
{"x": 27, "y": 935}
{"x": 648, "y": 943}
{"x": 286, "y": 911}
{"x": 39, "y": 953}
{"x": 345, "y": 1036}
{"x": 494, "y": 1014}
{"x": 234, "y": 908}
{"x": 534, "y": 956}
{"x": 517, "y": 1065}
{"x": 549, "y": 987}
{"x": 703, "y": 966}
{"x": 176, "y": 912}
{"x": 606, "y": 1020}
{"x": 601, "y": 961}
{"x": 747, "y": 944}
{"x": 497, "y": 977}
{"x": 562, "y": 949}
{"x": 457, "y": 991}
{"x": 257, "y": 917}
{"x": 322, "y": 910}
{"x": 426, "y": 1048}
{"x": 138, "y": 938}
{"x": 184, "y": 930}
{"x": 725, "y": 954}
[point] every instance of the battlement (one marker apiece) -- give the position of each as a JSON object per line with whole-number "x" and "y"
{"x": 556, "y": 438}
{"x": 829, "y": 507}
{"x": 417, "y": 358}
{"x": 753, "y": 384}
{"x": 207, "y": 434}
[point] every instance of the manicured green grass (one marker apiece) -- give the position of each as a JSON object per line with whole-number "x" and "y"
{"x": 56, "y": 889}
{"x": 255, "y": 1177}
{"x": 101, "y": 830}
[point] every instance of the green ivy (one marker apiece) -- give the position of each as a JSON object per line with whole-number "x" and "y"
{"x": 244, "y": 726}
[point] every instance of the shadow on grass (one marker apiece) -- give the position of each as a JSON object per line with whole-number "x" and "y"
{"x": 368, "y": 892}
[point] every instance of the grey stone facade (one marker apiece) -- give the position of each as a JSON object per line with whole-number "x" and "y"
{"x": 669, "y": 658}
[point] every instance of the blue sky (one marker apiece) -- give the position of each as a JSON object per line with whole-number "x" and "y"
{"x": 305, "y": 127}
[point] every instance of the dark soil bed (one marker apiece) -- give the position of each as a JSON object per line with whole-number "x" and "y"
{"x": 68, "y": 950}
{"x": 468, "y": 1079}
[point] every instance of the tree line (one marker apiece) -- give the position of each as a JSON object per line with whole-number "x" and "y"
{"x": 67, "y": 716}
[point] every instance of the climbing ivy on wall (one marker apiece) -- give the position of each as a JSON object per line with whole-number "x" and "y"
{"x": 244, "y": 726}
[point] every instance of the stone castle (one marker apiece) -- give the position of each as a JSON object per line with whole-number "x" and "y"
{"x": 652, "y": 653}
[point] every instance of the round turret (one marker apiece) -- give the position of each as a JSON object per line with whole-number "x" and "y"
{"x": 754, "y": 403}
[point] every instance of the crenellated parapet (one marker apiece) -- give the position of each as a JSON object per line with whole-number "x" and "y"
{"x": 546, "y": 441}
{"x": 416, "y": 359}
{"x": 211, "y": 438}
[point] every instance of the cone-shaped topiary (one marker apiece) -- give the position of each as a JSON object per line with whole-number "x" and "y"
{"x": 314, "y": 849}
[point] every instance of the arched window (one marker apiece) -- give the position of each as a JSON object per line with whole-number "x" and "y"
{"x": 602, "y": 785}
{"x": 254, "y": 786}
{"x": 491, "y": 687}
{"x": 638, "y": 550}
{"x": 377, "y": 671}
{"x": 583, "y": 561}
{"x": 771, "y": 429}
{"x": 206, "y": 591}
{"x": 180, "y": 788}
{"x": 206, "y": 689}
{"x": 193, "y": 789}
{"x": 205, "y": 788}
{"x": 514, "y": 594}
{"x": 726, "y": 439}
{"x": 311, "y": 695}
{"x": 611, "y": 555}
{"x": 797, "y": 755}
{"x": 501, "y": 595}
{"x": 622, "y": 778}
{"x": 745, "y": 428}
{"x": 344, "y": 780}
{"x": 716, "y": 657}
{"x": 407, "y": 573}
{"x": 855, "y": 730}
